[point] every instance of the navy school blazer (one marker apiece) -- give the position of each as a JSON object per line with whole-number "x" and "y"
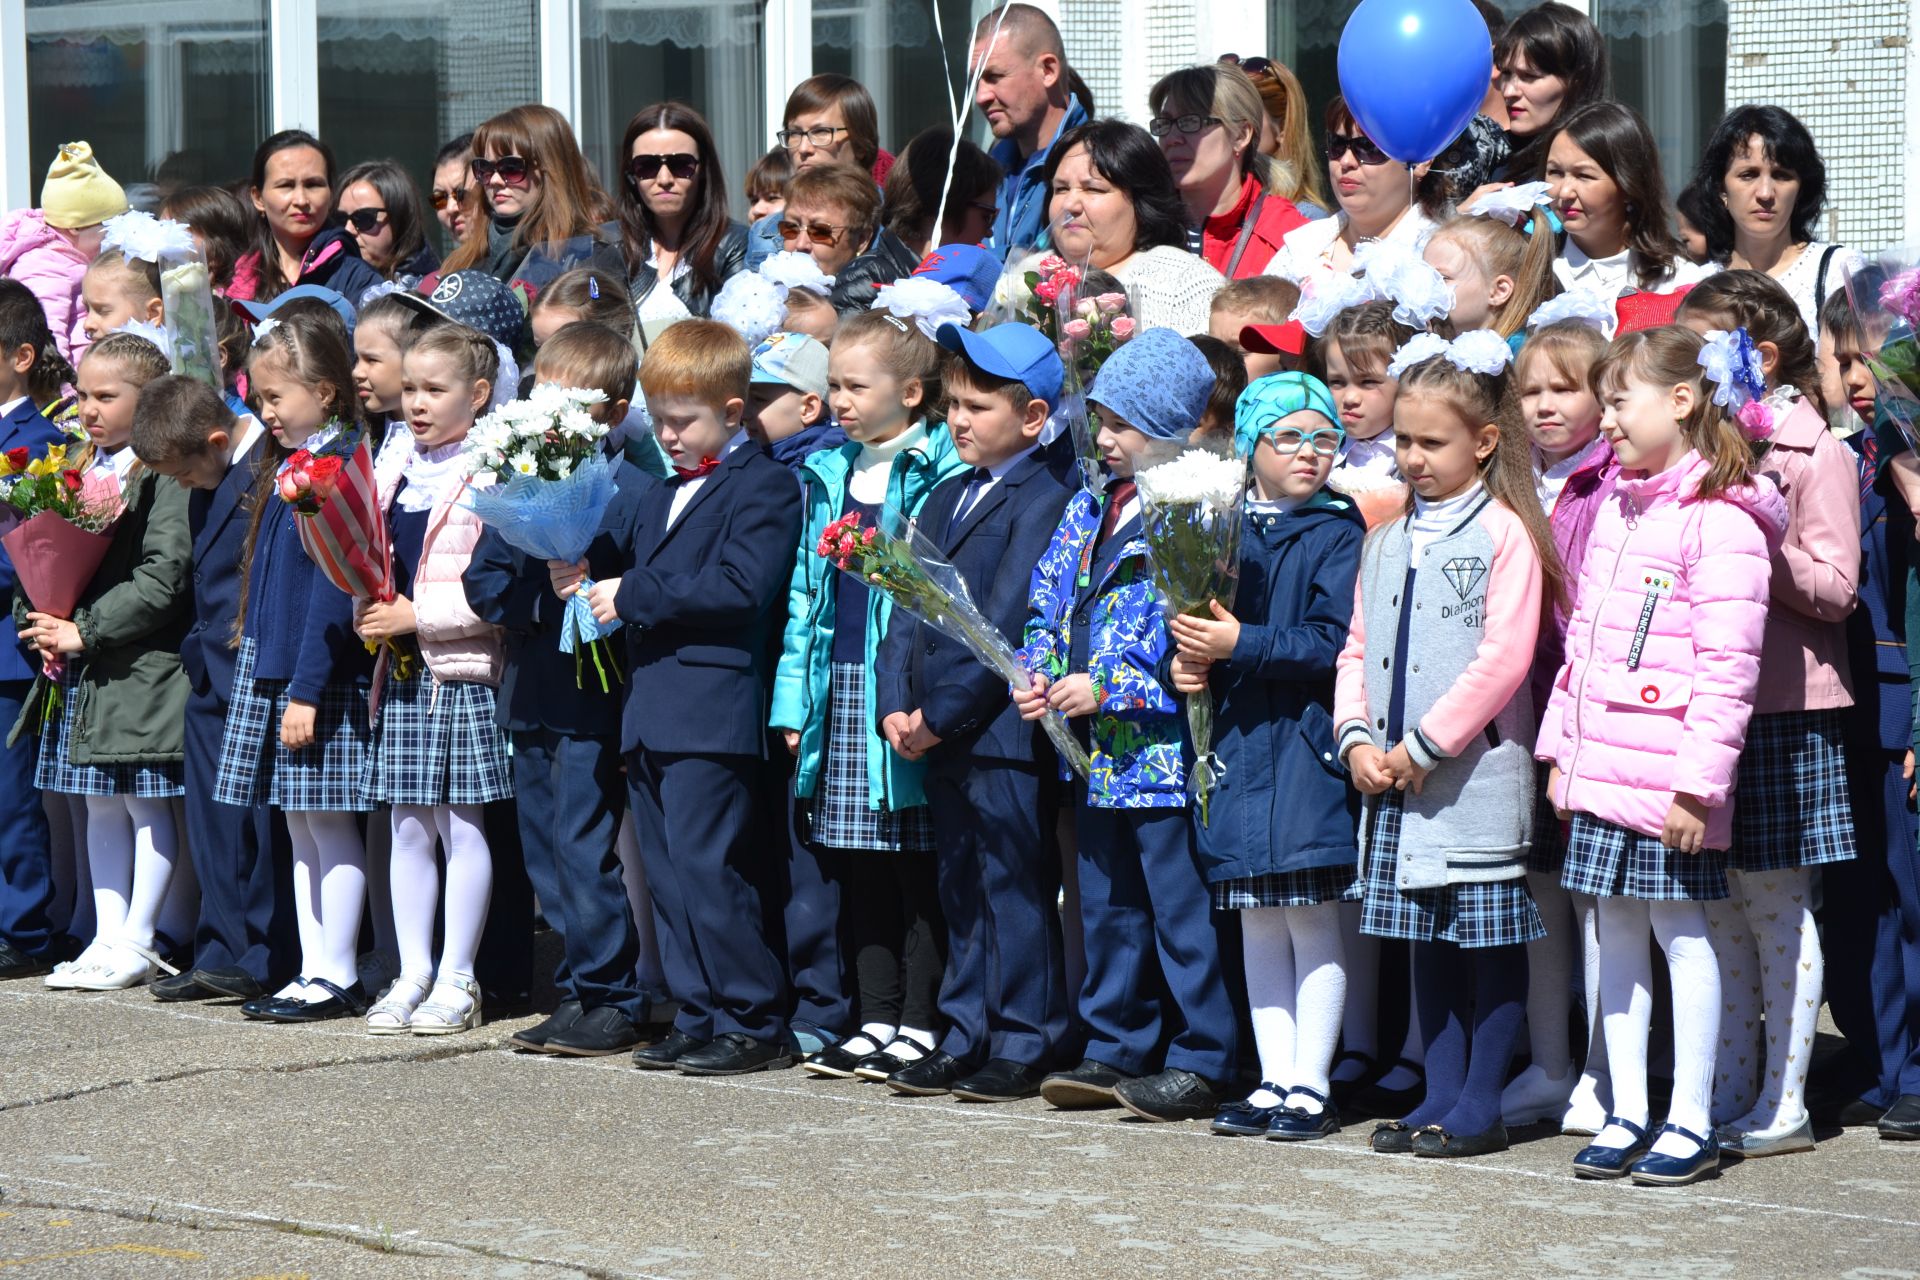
{"x": 301, "y": 624}
{"x": 514, "y": 591}
{"x": 25, "y": 428}
{"x": 217, "y": 519}
{"x": 700, "y": 599}
{"x": 995, "y": 548}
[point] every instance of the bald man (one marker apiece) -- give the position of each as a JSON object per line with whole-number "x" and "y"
{"x": 1026, "y": 95}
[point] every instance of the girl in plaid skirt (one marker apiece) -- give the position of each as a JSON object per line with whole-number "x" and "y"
{"x": 1791, "y": 811}
{"x": 1646, "y": 721}
{"x": 438, "y": 755}
{"x": 296, "y": 735}
{"x": 1436, "y": 725}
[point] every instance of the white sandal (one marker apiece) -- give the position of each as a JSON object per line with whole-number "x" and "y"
{"x": 393, "y": 1012}
{"x": 442, "y": 1014}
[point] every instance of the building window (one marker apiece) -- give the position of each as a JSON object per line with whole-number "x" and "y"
{"x": 891, "y": 47}
{"x": 1669, "y": 63}
{"x": 116, "y": 74}
{"x": 708, "y": 55}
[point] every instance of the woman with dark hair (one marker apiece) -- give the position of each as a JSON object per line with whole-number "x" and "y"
{"x": 1603, "y": 170}
{"x": 292, "y": 184}
{"x": 1763, "y": 186}
{"x": 1208, "y": 120}
{"x": 1379, "y": 199}
{"x": 680, "y": 244}
{"x": 383, "y": 213}
{"x": 454, "y": 197}
{"x": 830, "y": 119}
{"x": 1552, "y": 61}
{"x": 913, "y": 188}
{"x": 1113, "y": 207}
{"x": 221, "y": 223}
{"x": 544, "y": 212}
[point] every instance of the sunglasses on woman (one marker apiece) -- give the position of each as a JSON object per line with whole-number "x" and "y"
{"x": 365, "y": 221}
{"x": 679, "y": 164}
{"x": 513, "y": 170}
{"x": 821, "y": 233}
{"x": 1364, "y": 152}
{"x": 442, "y": 197}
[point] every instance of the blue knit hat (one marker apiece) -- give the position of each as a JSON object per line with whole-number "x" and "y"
{"x": 1159, "y": 382}
{"x": 1271, "y": 398}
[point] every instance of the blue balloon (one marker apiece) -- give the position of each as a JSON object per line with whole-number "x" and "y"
{"x": 1414, "y": 73}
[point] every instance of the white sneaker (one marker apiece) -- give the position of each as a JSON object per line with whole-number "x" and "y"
{"x": 1535, "y": 1096}
{"x": 1586, "y": 1113}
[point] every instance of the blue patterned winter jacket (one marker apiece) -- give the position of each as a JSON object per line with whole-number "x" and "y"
{"x": 1137, "y": 738}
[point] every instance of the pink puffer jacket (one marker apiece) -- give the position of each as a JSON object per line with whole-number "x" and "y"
{"x": 47, "y": 263}
{"x": 1630, "y": 724}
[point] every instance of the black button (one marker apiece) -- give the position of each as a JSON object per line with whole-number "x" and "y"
{"x": 1379, "y": 724}
{"x": 1385, "y": 664}
{"x": 929, "y": 650}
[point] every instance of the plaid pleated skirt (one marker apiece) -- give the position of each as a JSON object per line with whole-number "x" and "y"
{"x": 1549, "y": 850}
{"x": 1790, "y": 806}
{"x": 840, "y": 816}
{"x": 56, "y": 771}
{"x": 436, "y": 743}
{"x": 1611, "y": 861}
{"x": 1308, "y": 887}
{"x": 256, "y": 769}
{"x": 1494, "y": 913}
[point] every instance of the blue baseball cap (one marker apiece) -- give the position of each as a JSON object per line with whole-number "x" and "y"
{"x": 1269, "y": 399}
{"x": 1159, "y": 382}
{"x": 258, "y": 311}
{"x": 1011, "y": 350}
{"x": 969, "y": 270}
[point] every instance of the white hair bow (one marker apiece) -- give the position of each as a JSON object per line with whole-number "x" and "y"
{"x": 794, "y": 270}
{"x": 1511, "y": 204}
{"x": 1476, "y": 351}
{"x": 1585, "y": 305}
{"x": 141, "y": 235}
{"x": 928, "y": 303}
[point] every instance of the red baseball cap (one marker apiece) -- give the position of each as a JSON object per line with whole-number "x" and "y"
{"x": 1288, "y": 339}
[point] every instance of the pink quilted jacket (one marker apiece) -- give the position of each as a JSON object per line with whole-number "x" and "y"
{"x": 1630, "y": 724}
{"x": 453, "y": 640}
{"x": 47, "y": 263}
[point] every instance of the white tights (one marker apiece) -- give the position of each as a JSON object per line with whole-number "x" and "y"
{"x": 1626, "y": 993}
{"x": 1770, "y": 960}
{"x": 1297, "y": 989}
{"x": 329, "y": 892}
{"x": 461, "y": 831}
{"x": 132, "y": 846}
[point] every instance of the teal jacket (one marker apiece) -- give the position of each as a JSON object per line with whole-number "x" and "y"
{"x": 802, "y": 685}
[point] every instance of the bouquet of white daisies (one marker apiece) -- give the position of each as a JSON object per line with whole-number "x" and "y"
{"x": 540, "y": 478}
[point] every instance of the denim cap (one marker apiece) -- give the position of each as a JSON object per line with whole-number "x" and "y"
{"x": 969, "y": 270}
{"x": 1011, "y": 350}
{"x": 1159, "y": 382}
{"x": 793, "y": 360}
{"x": 477, "y": 300}
{"x": 255, "y": 312}
{"x": 1271, "y": 398}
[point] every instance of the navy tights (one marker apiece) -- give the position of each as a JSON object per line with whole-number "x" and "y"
{"x": 1454, "y": 988}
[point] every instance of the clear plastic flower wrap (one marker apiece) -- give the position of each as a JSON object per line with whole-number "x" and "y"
{"x": 1885, "y": 294}
{"x": 186, "y": 288}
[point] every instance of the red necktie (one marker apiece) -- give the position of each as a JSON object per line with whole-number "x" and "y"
{"x": 707, "y": 465}
{"x": 1118, "y": 496}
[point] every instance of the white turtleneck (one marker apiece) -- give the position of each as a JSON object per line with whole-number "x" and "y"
{"x": 1432, "y": 519}
{"x": 867, "y": 481}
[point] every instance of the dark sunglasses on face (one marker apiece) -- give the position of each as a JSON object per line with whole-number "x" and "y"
{"x": 823, "y": 233}
{"x": 443, "y": 197}
{"x": 513, "y": 170}
{"x": 1364, "y": 152}
{"x": 365, "y": 220}
{"x": 679, "y": 164}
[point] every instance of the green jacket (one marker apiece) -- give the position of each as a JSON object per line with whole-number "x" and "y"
{"x": 133, "y": 618}
{"x": 802, "y": 685}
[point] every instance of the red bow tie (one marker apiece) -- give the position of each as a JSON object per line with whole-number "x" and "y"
{"x": 706, "y": 466}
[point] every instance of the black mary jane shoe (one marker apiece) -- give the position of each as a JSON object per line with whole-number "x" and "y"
{"x": 879, "y": 1065}
{"x": 340, "y": 1002}
{"x": 263, "y": 1008}
{"x": 1440, "y": 1144}
{"x": 1391, "y": 1138}
{"x": 1242, "y": 1119}
{"x": 1596, "y": 1161}
{"x": 833, "y": 1062}
{"x": 1297, "y": 1124}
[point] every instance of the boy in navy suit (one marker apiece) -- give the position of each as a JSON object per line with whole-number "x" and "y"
{"x": 565, "y": 733}
{"x": 1004, "y": 995}
{"x": 239, "y": 944}
{"x": 711, "y": 555}
{"x": 26, "y": 855}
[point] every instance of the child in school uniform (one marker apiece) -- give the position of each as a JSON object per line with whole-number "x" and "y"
{"x": 867, "y": 804}
{"x": 1436, "y": 726}
{"x": 115, "y": 738}
{"x": 438, "y": 755}
{"x": 1791, "y": 812}
{"x": 1279, "y": 846}
{"x": 564, "y": 728}
{"x": 239, "y": 854}
{"x": 296, "y": 735}
{"x": 1003, "y": 996}
{"x": 787, "y": 406}
{"x": 1646, "y": 723}
{"x": 26, "y": 852}
{"x": 709, "y": 555}
{"x": 1096, "y": 638}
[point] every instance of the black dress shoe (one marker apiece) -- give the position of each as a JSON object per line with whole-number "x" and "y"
{"x": 1172, "y": 1094}
{"x": 340, "y": 1002}
{"x": 177, "y": 987}
{"x": 1001, "y": 1080}
{"x": 534, "y": 1038}
{"x": 1855, "y": 1113}
{"x": 15, "y": 963}
{"x": 1391, "y": 1138}
{"x": 597, "y": 1033}
{"x": 734, "y": 1053}
{"x": 1440, "y": 1144}
{"x": 930, "y": 1077}
{"x": 1902, "y": 1121}
{"x": 232, "y": 982}
{"x": 833, "y": 1062}
{"x": 1090, "y": 1084}
{"x": 662, "y": 1056}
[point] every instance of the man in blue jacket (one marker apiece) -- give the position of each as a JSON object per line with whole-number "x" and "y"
{"x": 1026, "y": 94}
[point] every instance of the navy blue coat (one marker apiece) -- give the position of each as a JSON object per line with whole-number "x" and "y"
{"x": 995, "y": 547}
{"x": 217, "y": 519}
{"x": 1882, "y": 711}
{"x": 1284, "y": 803}
{"x": 24, "y": 428}
{"x": 541, "y": 687}
{"x": 301, "y": 624}
{"x": 701, "y": 598}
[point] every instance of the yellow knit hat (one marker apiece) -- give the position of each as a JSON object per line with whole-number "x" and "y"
{"x": 78, "y": 192}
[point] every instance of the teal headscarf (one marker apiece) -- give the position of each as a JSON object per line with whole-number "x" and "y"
{"x": 1269, "y": 399}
